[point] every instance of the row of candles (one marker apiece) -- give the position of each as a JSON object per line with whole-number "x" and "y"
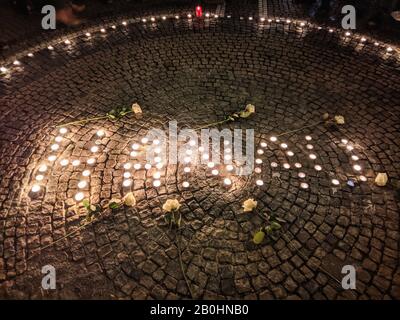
{"x": 159, "y": 163}
{"x": 153, "y": 19}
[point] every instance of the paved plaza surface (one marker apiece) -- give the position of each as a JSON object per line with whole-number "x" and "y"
{"x": 197, "y": 71}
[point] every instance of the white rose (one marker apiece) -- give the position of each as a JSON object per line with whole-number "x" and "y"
{"x": 339, "y": 119}
{"x": 381, "y": 179}
{"x": 250, "y": 108}
{"x": 136, "y": 108}
{"x": 171, "y": 205}
{"x": 129, "y": 199}
{"x": 249, "y": 205}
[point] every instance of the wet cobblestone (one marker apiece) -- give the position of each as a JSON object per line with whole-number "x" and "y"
{"x": 197, "y": 72}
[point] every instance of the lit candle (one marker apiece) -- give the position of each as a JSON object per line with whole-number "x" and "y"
{"x": 185, "y": 184}
{"x": 82, "y": 184}
{"x": 94, "y": 149}
{"x": 349, "y": 147}
{"x": 52, "y": 158}
{"x": 157, "y": 159}
{"x": 355, "y": 158}
{"x": 159, "y": 165}
{"x": 210, "y": 164}
{"x": 229, "y": 167}
{"x": 58, "y": 139}
{"x": 363, "y": 178}
{"x": 35, "y": 188}
{"x": 260, "y": 151}
{"x": 156, "y": 142}
{"x": 335, "y": 182}
{"x": 345, "y": 141}
{"x": 91, "y": 161}
{"x": 259, "y": 161}
{"x": 79, "y": 196}
{"x": 257, "y": 170}
{"x": 134, "y": 154}
{"x": 64, "y": 162}
{"x": 274, "y": 164}
{"x": 310, "y": 147}
{"x": 186, "y": 169}
{"x": 144, "y": 140}
{"x": 156, "y": 183}
{"x": 137, "y": 166}
{"x": 357, "y": 167}
{"x": 147, "y": 166}
{"x": 39, "y": 177}
{"x": 135, "y": 146}
{"x": 86, "y": 173}
{"x": 259, "y": 182}
{"x": 286, "y": 165}
{"x": 317, "y": 167}
{"x": 263, "y": 144}
{"x": 127, "y": 183}
{"x": 100, "y": 133}
{"x": 298, "y": 165}
{"x": 227, "y": 181}
{"x": 308, "y": 138}
{"x": 63, "y": 130}
{"x": 157, "y": 175}
{"x": 302, "y": 175}
{"x": 273, "y": 139}
{"x": 312, "y": 156}
{"x": 215, "y": 172}
{"x": 127, "y": 175}
{"x": 76, "y": 163}
{"x": 290, "y": 153}
{"x": 54, "y": 147}
{"x": 284, "y": 145}
{"x": 43, "y": 168}
{"x": 304, "y": 185}
{"x": 127, "y": 166}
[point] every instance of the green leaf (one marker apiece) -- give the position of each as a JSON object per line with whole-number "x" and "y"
{"x": 258, "y": 237}
{"x": 86, "y": 204}
{"x": 275, "y": 225}
{"x": 113, "y": 205}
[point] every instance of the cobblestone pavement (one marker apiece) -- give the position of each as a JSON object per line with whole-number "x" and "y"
{"x": 197, "y": 72}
